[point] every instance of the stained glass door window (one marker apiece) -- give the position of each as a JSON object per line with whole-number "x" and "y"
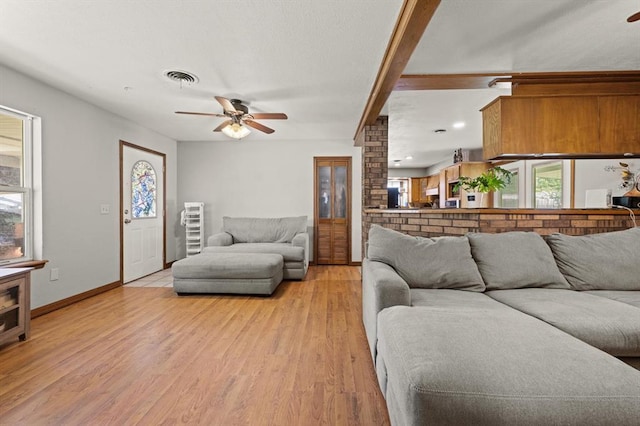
{"x": 143, "y": 190}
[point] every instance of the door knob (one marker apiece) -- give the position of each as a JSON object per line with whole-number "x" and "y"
{"x": 127, "y": 221}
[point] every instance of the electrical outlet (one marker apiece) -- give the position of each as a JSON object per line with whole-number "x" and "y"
{"x": 104, "y": 208}
{"x": 54, "y": 274}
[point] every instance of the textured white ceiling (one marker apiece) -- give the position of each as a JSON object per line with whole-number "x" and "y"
{"x": 313, "y": 60}
{"x": 529, "y": 35}
{"x": 414, "y": 115}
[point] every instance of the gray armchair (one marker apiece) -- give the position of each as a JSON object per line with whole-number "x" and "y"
{"x": 286, "y": 236}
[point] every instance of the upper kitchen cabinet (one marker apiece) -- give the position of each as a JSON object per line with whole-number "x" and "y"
{"x": 561, "y": 127}
{"x": 619, "y": 123}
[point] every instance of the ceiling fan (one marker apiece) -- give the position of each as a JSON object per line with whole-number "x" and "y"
{"x": 633, "y": 18}
{"x": 238, "y": 118}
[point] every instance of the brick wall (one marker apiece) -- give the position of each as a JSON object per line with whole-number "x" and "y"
{"x": 374, "y": 164}
{"x": 374, "y": 168}
{"x": 433, "y": 223}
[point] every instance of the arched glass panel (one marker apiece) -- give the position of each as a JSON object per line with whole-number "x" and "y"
{"x": 143, "y": 190}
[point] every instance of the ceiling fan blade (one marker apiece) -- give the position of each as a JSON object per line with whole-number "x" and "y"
{"x": 226, "y": 104}
{"x": 223, "y": 125}
{"x": 633, "y": 18}
{"x": 269, "y": 116}
{"x": 258, "y": 126}
{"x": 211, "y": 114}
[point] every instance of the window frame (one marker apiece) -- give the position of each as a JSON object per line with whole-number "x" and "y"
{"x": 27, "y": 184}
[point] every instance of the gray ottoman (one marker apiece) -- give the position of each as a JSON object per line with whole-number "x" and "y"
{"x": 238, "y": 273}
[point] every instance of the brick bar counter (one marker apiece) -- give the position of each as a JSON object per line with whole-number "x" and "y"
{"x": 437, "y": 222}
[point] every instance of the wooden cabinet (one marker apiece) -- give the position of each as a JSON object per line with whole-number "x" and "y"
{"x": 619, "y": 119}
{"x": 425, "y": 189}
{"x": 15, "y": 311}
{"x": 569, "y": 126}
{"x": 528, "y": 126}
{"x": 449, "y": 178}
{"x": 416, "y": 190}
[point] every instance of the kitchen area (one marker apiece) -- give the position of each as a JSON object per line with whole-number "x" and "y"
{"x": 572, "y": 150}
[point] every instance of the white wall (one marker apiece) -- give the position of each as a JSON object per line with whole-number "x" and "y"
{"x": 400, "y": 172}
{"x": 80, "y": 171}
{"x": 590, "y": 174}
{"x": 266, "y": 178}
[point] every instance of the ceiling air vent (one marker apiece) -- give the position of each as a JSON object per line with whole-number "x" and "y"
{"x": 181, "y": 77}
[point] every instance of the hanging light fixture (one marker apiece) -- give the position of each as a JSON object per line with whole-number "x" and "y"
{"x": 236, "y": 130}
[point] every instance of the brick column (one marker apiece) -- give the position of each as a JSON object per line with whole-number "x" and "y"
{"x": 374, "y": 164}
{"x": 374, "y": 170}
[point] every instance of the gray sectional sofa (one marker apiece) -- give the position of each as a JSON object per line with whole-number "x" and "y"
{"x": 286, "y": 236}
{"x": 504, "y": 329}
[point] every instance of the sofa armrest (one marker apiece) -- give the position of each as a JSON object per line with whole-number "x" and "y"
{"x": 382, "y": 287}
{"x": 302, "y": 240}
{"x": 220, "y": 239}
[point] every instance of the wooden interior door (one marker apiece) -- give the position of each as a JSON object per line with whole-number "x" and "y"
{"x": 332, "y": 210}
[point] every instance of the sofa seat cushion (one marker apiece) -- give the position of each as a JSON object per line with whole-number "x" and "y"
{"x": 630, "y": 297}
{"x": 452, "y": 367}
{"x": 607, "y": 261}
{"x": 443, "y": 262}
{"x": 515, "y": 260}
{"x": 287, "y": 251}
{"x": 454, "y": 299}
{"x": 609, "y": 325}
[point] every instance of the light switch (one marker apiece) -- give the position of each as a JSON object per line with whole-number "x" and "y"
{"x": 104, "y": 208}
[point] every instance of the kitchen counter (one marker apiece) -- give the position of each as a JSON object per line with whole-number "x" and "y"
{"x": 495, "y": 210}
{"x": 429, "y": 222}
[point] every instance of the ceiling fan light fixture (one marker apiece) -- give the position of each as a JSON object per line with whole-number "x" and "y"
{"x": 236, "y": 131}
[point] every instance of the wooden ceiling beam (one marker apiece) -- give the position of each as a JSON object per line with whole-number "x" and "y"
{"x": 485, "y": 80}
{"x": 412, "y": 21}
{"x": 446, "y": 81}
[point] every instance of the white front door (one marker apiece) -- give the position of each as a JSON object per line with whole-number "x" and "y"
{"x": 142, "y": 212}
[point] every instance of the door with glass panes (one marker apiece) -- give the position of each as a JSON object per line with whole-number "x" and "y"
{"x": 332, "y": 210}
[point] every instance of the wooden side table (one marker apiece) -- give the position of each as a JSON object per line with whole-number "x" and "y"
{"x": 15, "y": 303}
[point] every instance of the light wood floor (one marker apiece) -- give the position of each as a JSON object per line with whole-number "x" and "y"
{"x": 146, "y": 356}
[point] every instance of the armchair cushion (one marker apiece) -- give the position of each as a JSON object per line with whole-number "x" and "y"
{"x": 264, "y": 230}
{"x": 220, "y": 239}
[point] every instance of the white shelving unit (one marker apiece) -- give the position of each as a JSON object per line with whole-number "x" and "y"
{"x": 194, "y": 224}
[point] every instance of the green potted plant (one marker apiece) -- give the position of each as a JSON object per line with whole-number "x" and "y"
{"x": 494, "y": 179}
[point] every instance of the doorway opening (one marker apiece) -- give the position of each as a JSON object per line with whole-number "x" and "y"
{"x": 332, "y": 210}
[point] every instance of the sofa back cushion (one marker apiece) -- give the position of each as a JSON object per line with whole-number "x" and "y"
{"x": 608, "y": 261}
{"x": 264, "y": 230}
{"x": 443, "y": 262}
{"x": 515, "y": 260}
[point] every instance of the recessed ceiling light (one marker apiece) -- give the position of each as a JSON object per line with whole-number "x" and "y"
{"x": 397, "y": 164}
{"x": 408, "y": 157}
{"x": 458, "y": 125}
